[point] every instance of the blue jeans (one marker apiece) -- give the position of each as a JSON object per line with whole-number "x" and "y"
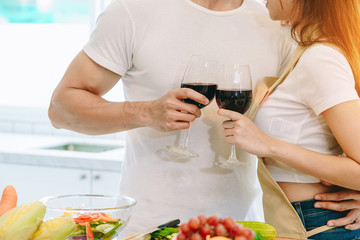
{"x": 313, "y": 217}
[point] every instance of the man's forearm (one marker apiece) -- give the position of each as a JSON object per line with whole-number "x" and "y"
{"x": 84, "y": 112}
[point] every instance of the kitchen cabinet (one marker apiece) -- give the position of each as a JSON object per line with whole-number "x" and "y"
{"x": 105, "y": 182}
{"x": 34, "y": 182}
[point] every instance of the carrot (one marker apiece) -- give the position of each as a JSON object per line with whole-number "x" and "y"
{"x": 8, "y": 199}
{"x": 89, "y": 233}
{"x": 94, "y": 217}
{"x": 108, "y": 219}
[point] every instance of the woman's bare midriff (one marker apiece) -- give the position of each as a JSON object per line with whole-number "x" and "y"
{"x": 303, "y": 191}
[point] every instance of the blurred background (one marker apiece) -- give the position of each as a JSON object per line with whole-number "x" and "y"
{"x": 38, "y": 40}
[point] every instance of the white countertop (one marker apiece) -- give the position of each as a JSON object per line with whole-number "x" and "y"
{"x": 31, "y": 150}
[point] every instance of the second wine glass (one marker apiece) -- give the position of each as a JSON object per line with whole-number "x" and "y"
{"x": 234, "y": 93}
{"x": 201, "y": 76}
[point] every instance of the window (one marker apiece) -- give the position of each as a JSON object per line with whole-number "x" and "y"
{"x": 44, "y": 11}
{"x": 39, "y": 38}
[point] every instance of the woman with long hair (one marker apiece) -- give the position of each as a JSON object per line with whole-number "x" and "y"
{"x": 308, "y": 130}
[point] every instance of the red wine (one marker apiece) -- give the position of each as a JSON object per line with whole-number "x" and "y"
{"x": 206, "y": 89}
{"x": 235, "y": 100}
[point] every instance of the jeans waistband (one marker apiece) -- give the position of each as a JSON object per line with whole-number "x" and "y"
{"x": 305, "y": 204}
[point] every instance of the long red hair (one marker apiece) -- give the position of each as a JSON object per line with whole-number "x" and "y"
{"x": 336, "y": 22}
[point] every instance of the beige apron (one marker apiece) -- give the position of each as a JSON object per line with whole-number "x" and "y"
{"x": 278, "y": 210}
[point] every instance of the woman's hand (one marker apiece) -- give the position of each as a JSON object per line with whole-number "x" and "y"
{"x": 243, "y": 133}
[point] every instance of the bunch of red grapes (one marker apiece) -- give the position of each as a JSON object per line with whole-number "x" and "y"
{"x": 201, "y": 227}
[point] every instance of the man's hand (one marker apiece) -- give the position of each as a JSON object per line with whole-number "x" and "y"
{"x": 170, "y": 113}
{"x": 342, "y": 201}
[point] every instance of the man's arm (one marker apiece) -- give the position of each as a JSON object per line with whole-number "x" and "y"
{"x": 77, "y": 103}
{"x": 342, "y": 201}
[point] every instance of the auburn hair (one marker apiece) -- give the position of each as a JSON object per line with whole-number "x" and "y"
{"x": 336, "y": 22}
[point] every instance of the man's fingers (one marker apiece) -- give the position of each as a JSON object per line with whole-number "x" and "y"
{"x": 338, "y": 196}
{"x": 181, "y": 117}
{"x": 179, "y": 120}
{"x": 184, "y": 93}
{"x": 338, "y": 206}
{"x": 354, "y": 226}
{"x": 175, "y": 126}
{"x": 173, "y": 101}
{"x": 349, "y": 219}
{"x": 189, "y": 108}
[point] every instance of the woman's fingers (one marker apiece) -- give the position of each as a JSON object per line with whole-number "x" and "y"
{"x": 232, "y": 115}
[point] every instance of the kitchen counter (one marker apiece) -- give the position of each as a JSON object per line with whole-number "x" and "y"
{"x": 34, "y": 150}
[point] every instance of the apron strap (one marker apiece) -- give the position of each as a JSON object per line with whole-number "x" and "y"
{"x": 272, "y": 193}
{"x": 318, "y": 230}
{"x": 266, "y": 85}
{"x": 293, "y": 61}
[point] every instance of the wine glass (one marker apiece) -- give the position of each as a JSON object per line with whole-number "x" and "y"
{"x": 234, "y": 93}
{"x": 200, "y": 75}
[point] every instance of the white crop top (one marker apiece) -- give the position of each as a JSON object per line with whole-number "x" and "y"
{"x": 322, "y": 79}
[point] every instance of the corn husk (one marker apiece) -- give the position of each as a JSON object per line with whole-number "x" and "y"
{"x": 55, "y": 229}
{"x": 21, "y": 222}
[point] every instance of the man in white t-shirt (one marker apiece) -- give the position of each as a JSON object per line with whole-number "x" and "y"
{"x": 146, "y": 44}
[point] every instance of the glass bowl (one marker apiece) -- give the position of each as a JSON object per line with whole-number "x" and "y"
{"x": 106, "y": 215}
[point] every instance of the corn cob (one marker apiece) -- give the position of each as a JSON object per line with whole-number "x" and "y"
{"x": 267, "y": 231}
{"x": 55, "y": 229}
{"x": 22, "y": 221}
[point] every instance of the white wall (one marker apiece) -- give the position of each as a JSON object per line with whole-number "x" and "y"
{"x": 33, "y": 58}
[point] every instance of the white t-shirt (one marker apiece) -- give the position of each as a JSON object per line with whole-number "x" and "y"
{"x": 148, "y": 42}
{"x": 321, "y": 79}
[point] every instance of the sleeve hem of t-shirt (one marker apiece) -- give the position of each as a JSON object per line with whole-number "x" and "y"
{"x": 334, "y": 101}
{"x": 91, "y": 53}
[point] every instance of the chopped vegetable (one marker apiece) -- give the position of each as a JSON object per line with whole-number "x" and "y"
{"x": 94, "y": 217}
{"x": 163, "y": 234}
{"x": 112, "y": 231}
{"x": 95, "y": 226}
{"x": 258, "y": 236}
{"x": 89, "y": 233}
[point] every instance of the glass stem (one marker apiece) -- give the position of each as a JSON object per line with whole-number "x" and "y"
{"x": 233, "y": 153}
{"x": 186, "y": 140}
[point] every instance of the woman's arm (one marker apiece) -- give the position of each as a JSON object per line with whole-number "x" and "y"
{"x": 343, "y": 120}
